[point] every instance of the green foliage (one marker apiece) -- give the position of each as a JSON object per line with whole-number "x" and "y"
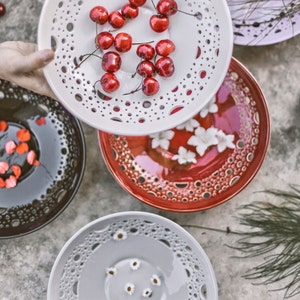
{"x": 275, "y": 233}
{"x": 272, "y": 231}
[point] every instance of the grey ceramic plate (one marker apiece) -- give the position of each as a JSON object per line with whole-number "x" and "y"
{"x": 132, "y": 255}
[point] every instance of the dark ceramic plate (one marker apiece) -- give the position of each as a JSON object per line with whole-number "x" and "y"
{"x": 45, "y": 188}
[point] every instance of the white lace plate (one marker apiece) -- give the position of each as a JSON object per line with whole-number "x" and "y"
{"x": 202, "y": 56}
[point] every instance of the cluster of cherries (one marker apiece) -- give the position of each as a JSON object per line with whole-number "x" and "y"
{"x": 10, "y": 172}
{"x": 154, "y": 59}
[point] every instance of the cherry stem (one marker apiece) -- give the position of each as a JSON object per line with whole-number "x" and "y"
{"x": 154, "y": 5}
{"x": 133, "y": 75}
{"x": 136, "y": 90}
{"x": 176, "y": 9}
{"x": 186, "y": 13}
{"x": 94, "y": 86}
{"x": 143, "y": 43}
{"x": 87, "y": 56}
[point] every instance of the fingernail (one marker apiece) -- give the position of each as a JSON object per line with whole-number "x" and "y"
{"x": 47, "y": 55}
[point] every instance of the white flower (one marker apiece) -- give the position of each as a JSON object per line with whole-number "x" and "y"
{"x": 155, "y": 280}
{"x": 185, "y": 156}
{"x": 210, "y": 107}
{"x": 120, "y": 235}
{"x": 224, "y": 141}
{"x": 129, "y": 288}
{"x": 111, "y": 271}
{"x": 162, "y": 139}
{"x": 135, "y": 264}
{"x": 147, "y": 293}
{"x": 203, "y": 139}
{"x": 188, "y": 125}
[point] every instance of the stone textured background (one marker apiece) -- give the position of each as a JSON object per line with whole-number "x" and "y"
{"x": 26, "y": 262}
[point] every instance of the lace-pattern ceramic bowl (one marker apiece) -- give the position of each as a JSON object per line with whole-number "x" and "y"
{"x": 132, "y": 255}
{"x": 203, "y": 52}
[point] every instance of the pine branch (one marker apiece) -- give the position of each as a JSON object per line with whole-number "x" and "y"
{"x": 277, "y": 230}
{"x": 274, "y": 234}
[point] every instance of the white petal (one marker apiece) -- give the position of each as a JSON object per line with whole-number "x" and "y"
{"x": 191, "y": 157}
{"x": 155, "y": 280}
{"x": 169, "y": 134}
{"x": 212, "y": 141}
{"x": 201, "y": 148}
{"x": 135, "y": 264}
{"x": 147, "y": 293}
{"x": 213, "y": 108}
{"x": 211, "y": 136}
{"x": 224, "y": 141}
{"x": 164, "y": 144}
{"x": 182, "y": 161}
{"x": 191, "y": 124}
{"x": 193, "y": 140}
{"x": 221, "y": 146}
{"x": 204, "y": 112}
{"x": 199, "y": 131}
{"x": 230, "y": 139}
{"x": 129, "y": 288}
{"x": 155, "y": 143}
{"x": 212, "y": 131}
{"x": 182, "y": 150}
{"x": 120, "y": 234}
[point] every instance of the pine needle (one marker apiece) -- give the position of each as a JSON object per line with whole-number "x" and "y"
{"x": 275, "y": 234}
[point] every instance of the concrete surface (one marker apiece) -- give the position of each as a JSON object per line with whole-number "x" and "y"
{"x": 26, "y": 262}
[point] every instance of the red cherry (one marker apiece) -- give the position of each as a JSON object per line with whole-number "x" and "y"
{"x": 109, "y": 82}
{"x": 123, "y": 42}
{"x": 99, "y": 14}
{"x": 146, "y": 68}
{"x": 159, "y": 23}
{"x": 104, "y": 40}
{"x": 111, "y": 61}
{"x": 130, "y": 11}
{"x": 115, "y": 19}
{"x": 145, "y": 51}
{"x": 167, "y": 7}
{"x": 165, "y": 67}
{"x": 2, "y": 9}
{"x": 165, "y": 47}
{"x": 137, "y": 2}
{"x": 150, "y": 86}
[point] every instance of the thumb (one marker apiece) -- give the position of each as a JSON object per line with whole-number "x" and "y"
{"x": 35, "y": 60}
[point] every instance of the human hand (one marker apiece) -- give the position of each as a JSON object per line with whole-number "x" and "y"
{"x": 21, "y": 63}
